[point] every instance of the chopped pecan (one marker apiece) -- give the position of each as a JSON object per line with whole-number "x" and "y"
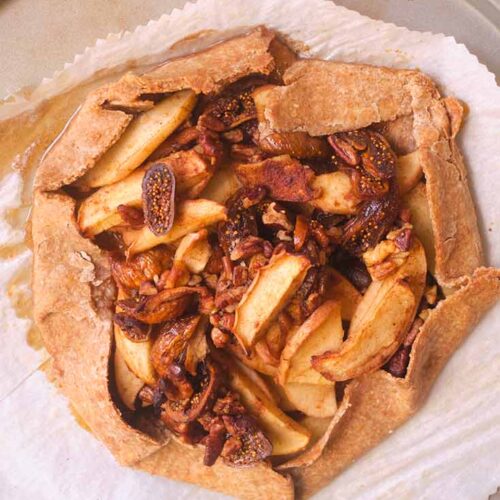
{"x": 275, "y": 216}
{"x": 171, "y": 342}
{"x": 285, "y": 178}
{"x": 158, "y": 198}
{"x": 247, "y": 444}
{"x": 134, "y": 330}
{"x": 165, "y": 305}
{"x": 142, "y": 267}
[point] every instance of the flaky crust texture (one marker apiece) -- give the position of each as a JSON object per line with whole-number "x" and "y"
{"x": 73, "y": 293}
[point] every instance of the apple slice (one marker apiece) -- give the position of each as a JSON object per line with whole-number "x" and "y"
{"x": 99, "y": 211}
{"x": 286, "y": 435}
{"x": 416, "y": 201}
{"x": 144, "y": 134}
{"x": 339, "y": 288}
{"x": 312, "y": 399}
{"x": 190, "y": 216}
{"x": 222, "y": 185}
{"x": 376, "y": 339}
{"x": 127, "y": 383}
{"x": 336, "y": 196}
{"x": 408, "y": 171}
{"x": 194, "y": 250}
{"x": 321, "y": 332}
{"x": 380, "y": 322}
{"x": 413, "y": 271}
{"x": 137, "y": 355}
{"x": 268, "y": 293}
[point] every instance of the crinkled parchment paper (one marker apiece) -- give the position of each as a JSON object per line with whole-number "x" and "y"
{"x": 448, "y": 450}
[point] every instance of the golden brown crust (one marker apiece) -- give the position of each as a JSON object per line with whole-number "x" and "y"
{"x": 72, "y": 309}
{"x": 379, "y": 402}
{"x": 185, "y": 463}
{"x": 106, "y": 113}
{"x": 339, "y": 96}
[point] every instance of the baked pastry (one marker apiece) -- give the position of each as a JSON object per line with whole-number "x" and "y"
{"x": 206, "y": 234}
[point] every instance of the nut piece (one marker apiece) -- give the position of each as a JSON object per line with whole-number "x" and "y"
{"x": 158, "y": 197}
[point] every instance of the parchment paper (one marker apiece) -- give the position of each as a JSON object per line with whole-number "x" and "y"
{"x": 448, "y": 450}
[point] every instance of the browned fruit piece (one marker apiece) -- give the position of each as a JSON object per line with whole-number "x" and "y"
{"x": 172, "y": 340}
{"x": 163, "y": 306}
{"x": 158, "y": 198}
{"x": 284, "y": 178}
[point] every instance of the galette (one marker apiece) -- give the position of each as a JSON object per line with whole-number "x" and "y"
{"x": 250, "y": 267}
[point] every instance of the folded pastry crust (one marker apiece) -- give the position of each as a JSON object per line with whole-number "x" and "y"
{"x": 73, "y": 292}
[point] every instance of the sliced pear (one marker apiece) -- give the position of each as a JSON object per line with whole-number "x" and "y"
{"x": 222, "y": 185}
{"x": 312, "y": 399}
{"x": 99, "y": 211}
{"x": 144, "y": 134}
{"x": 339, "y": 288}
{"x": 127, "y": 383}
{"x": 380, "y": 322}
{"x": 416, "y": 201}
{"x": 194, "y": 250}
{"x": 190, "y": 216}
{"x": 408, "y": 171}
{"x": 286, "y": 435}
{"x": 336, "y": 196}
{"x": 268, "y": 293}
{"x": 321, "y": 332}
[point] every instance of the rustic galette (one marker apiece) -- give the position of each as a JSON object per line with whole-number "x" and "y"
{"x": 249, "y": 267}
